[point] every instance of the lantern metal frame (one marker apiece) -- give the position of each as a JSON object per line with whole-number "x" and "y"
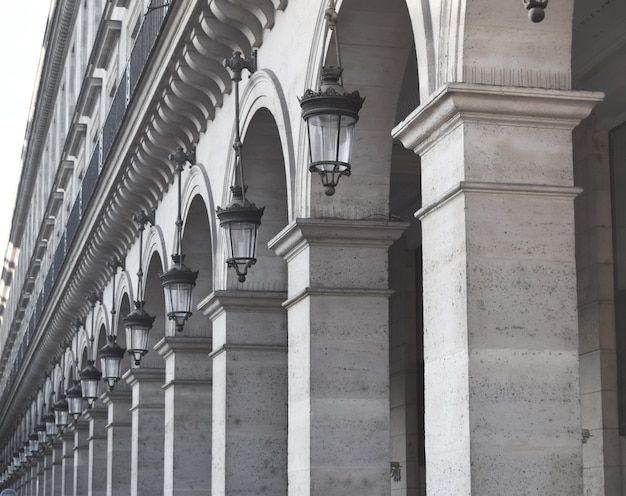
{"x": 90, "y": 376}
{"x": 138, "y": 322}
{"x": 240, "y": 219}
{"x": 536, "y": 9}
{"x": 330, "y": 113}
{"x": 179, "y": 280}
{"x": 111, "y": 354}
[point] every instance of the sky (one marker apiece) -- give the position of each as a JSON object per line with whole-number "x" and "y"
{"x": 22, "y": 28}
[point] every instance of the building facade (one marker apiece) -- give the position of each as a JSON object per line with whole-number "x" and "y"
{"x": 452, "y": 321}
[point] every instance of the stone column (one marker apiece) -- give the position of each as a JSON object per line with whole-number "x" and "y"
{"x": 68, "y": 463}
{"x": 187, "y": 452}
{"x": 249, "y": 392}
{"x": 119, "y": 439}
{"x": 97, "y": 419}
{"x": 338, "y": 355}
{"x": 48, "y": 487}
{"x": 57, "y": 465}
{"x": 147, "y": 412}
{"x": 81, "y": 458}
{"x": 41, "y": 475}
{"x": 500, "y": 324}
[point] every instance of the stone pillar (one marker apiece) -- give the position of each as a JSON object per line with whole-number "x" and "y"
{"x": 68, "y": 463}
{"x": 57, "y": 467}
{"x": 81, "y": 458}
{"x": 500, "y": 324}
{"x": 41, "y": 475}
{"x": 187, "y": 452}
{"x": 97, "y": 419}
{"x": 147, "y": 412}
{"x": 338, "y": 355}
{"x": 119, "y": 439}
{"x": 249, "y": 392}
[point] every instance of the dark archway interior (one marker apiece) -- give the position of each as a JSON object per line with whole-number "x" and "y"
{"x": 154, "y": 305}
{"x": 198, "y": 257}
{"x": 264, "y": 170}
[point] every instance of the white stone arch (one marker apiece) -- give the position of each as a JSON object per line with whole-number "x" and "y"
{"x": 154, "y": 242}
{"x": 263, "y": 91}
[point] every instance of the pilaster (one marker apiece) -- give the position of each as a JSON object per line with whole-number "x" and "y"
{"x": 119, "y": 439}
{"x": 147, "y": 439}
{"x": 81, "y": 458}
{"x": 57, "y": 466}
{"x": 250, "y": 392}
{"x": 500, "y": 322}
{"x": 187, "y": 453}
{"x": 68, "y": 463}
{"x": 338, "y": 356}
{"x": 97, "y": 419}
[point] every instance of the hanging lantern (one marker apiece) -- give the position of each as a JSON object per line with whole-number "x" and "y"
{"x": 33, "y": 443}
{"x": 330, "y": 114}
{"x": 240, "y": 221}
{"x": 180, "y": 280}
{"x": 111, "y": 355}
{"x": 89, "y": 379}
{"x": 75, "y": 401}
{"x": 51, "y": 427}
{"x": 138, "y": 324}
{"x": 178, "y": 283}
{"x": 61, "y": 413}
{"x": 40, "y": 429}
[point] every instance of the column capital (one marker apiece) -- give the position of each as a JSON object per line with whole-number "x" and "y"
{"x": 304, "y": 232}
{"x": 253, "y": 301}
{"x": 118, "y": 394}
{"x": 461, "y": 102}
{"x": 141, "y": 374}
{"x": 183, "y": 344}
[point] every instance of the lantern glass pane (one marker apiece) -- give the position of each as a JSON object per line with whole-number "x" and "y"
{"x": 41, "y": 435}
{"x": 75, "y": 405}
{"x": 180, "y": 299}
{"x": 90, "y": 388}
{"x": 51, "y": 428}
{"x": 331, "y": 138}
{"x": 137, "y": 338}
{"x": 240, "y": 238}
{"x": 110, "y": 369}
{"x": 61, "y": 417}
{"x": 33, "y": 445}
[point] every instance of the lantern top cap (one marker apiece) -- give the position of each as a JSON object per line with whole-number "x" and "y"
{"x": 239, "y": 209}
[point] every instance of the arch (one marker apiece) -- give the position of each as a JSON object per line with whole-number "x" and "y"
{"x": 370, "y": 34}
{"x": 269, "y": 164}
{"x": 198, "y": 242}
{"x": 154, "y": 298}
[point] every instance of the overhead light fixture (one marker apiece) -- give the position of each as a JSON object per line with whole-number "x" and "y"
{"x": 330, "y": 113}
{"x": 90, "y": 376}
{"x": 180, "y": 280}
{"x": 138, "y": 322}
{"x": 536, "y": 9}
{"x": 240, "y": 219}
{"x": 111, "y": 354}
